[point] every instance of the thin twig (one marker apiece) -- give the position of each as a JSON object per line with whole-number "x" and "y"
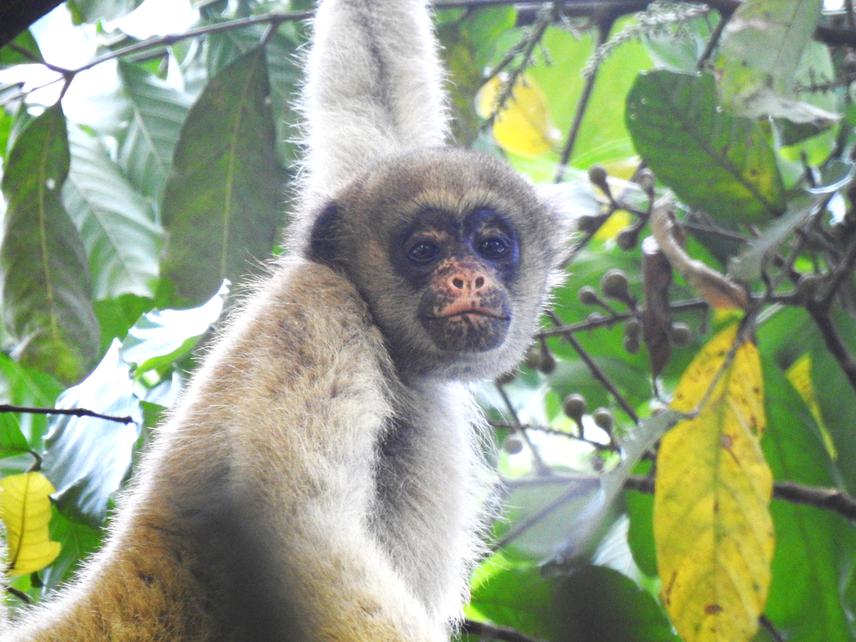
{"x": 595, "y": 369}
{"x": 603, "y": 30}
{"x": 73, "y": 412}
{"x": 519, "y": 428}
{"x": 831, "y": 499}
{"x": 712, "y": 42}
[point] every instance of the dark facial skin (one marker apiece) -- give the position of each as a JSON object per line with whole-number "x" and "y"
{"x": 460, "y": 269}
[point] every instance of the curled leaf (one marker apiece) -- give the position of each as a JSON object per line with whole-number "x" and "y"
{"x": 716, "y": 289}
{"x": 657, "y": 316}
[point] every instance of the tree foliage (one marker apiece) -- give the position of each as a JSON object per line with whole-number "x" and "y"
{"x": 677, "y": 449}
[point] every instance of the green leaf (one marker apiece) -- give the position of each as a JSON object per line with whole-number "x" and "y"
{"x": 12, "y": 440}
{"x": 837, "y": 399}
{"x": 47, "y": 302}
{"x": 78, "y": 541}
{"x": 94, "y": 10}
{"x": 677, "y": 127}
{"x": 580, "y": 606}
{"x": 760, "y": 53}
{"x": 813, "y": 546}
{"x": 161, "y": 337}
{"x": 284, "y": 75}
{"x": 751, "y": 262}
{"x": 116, "y": 222}
{"x": 85, "y": 457}
{"x": 23, "y": 386}
{"x": 156, "y": 116}
{"x": 222, "y": 202}
{"x": 24, "y": 40}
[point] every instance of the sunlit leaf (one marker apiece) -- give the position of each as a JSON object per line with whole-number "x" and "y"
{"x": 799, "y": 374}
{"x": 116, "y": 222}
{"x": 814, "y": 547}
{"x": 87, "y": 458}
{"x": 25, "y": 510}
{"x": 222, "y": 205}
{"x": 522, "y": 124}
{"x": 147, "y": 143}
{"x": 678, "y": 128}
{"x": 761, "y": 49}
{"x": 712, "y": 524}
{"x": 162, "y": 336}
{"x": 47, "y": 302}
{"x": 94, "y": 10}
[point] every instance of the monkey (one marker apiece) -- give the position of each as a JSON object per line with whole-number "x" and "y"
{"x": 323, "y": 475}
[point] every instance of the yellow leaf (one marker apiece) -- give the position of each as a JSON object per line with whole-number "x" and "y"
{"x": 26, "y": 512}
{"x": 799, "y": 374}
{"x": 712, "y": 525}
{"x": 523, "y": 125}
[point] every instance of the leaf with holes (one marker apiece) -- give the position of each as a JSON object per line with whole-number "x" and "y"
{"x": 47, "y": 304}
{"x": 25, "y": 509}
{"x": 222, "y": 202}
{"x": 712, "y": 524}
{"x": 677, "y": 127}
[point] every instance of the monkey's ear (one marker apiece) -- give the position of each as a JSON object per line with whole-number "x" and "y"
{"x": 324, "y": 244}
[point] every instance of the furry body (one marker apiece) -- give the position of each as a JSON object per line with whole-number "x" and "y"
{"x": 282, "y": 464}
{"x": 322, "y": 476}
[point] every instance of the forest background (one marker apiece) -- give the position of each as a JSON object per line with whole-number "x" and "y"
{"x": 677, "y": 451}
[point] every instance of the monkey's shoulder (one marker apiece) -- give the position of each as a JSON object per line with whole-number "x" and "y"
{"x": 305, "y": 320}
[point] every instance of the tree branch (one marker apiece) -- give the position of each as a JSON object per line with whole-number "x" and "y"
{"x": 595, "y": 369}
{"x": 827, "y": 498}
{"x": 74, "y": 412}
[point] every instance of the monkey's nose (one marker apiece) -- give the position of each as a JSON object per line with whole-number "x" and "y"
{"x": 467, "y": 281}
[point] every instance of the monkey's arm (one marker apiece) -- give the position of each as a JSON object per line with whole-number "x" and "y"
{"x": 374, "y": 87}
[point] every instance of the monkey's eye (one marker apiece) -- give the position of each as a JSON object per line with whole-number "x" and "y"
{"x": 494, "y": 247}
{"x": 423, "y": 252}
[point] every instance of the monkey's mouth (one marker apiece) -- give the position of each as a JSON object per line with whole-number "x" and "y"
{"x": 467, "y": 308}
{"x": 470, "y": 313}
{"x": 468, "y": 329}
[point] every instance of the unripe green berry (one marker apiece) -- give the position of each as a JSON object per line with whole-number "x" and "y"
{"x": 587, "y": 295}
{"x": 681, "y": 334}
{"x": 603, "y": 419}
{"x": 574, "y": 406}
{"x": 614, "y": 285}
{"x": 597, "y": 175}
{"x": 626, "y": 239}
{"x": 645, "y": 180}
{"x": 548, "y": 363}
{"x": 633, "y": 328}
{"x": 512, "y": 444}
{"x": 631, "y": 344}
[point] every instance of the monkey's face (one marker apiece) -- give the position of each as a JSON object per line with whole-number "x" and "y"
{"x": 452, "y": 252}
{"x": 460, "y": 270}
